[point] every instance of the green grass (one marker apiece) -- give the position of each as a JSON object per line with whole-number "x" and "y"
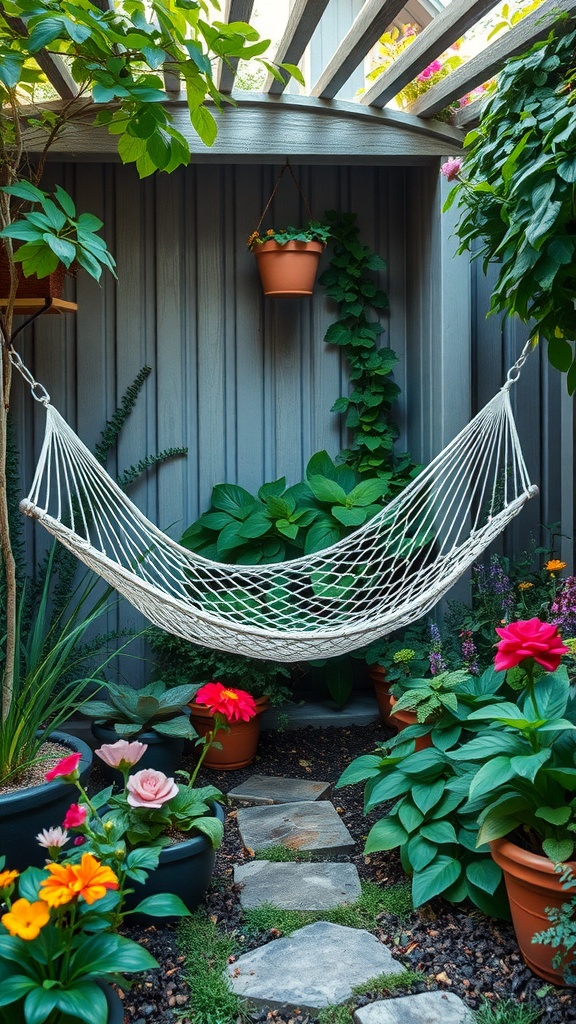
{"x": 372, "y": 902}
{"x": 507, "y": 1012}
{"x": 206, "y": 949}
{"x": 282, "y": 854}
{"x": 383, "y": 985}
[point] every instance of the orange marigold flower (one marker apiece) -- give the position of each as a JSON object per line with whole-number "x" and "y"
{"x": 7, "y": 877}
{"x": 555, "y": 565}
{"x": 26, "y": 919}
{"x": 89, "y": 879}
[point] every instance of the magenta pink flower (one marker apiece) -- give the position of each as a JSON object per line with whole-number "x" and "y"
{"x": 121, "y": 754}
{"x": 75, "y": 816}
{"x": 451, "y": 169}
{"x": 149, "y": 788}
{"x": 432, "y": 68}
{"x": 234, "y": 705}
{"x": 79, "y": 840}
{"x": 529, "y": 638}
{"x": 65, "y": 768}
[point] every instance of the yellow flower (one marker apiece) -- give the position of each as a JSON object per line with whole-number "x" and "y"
{"x": 525, "y": 585}
{"x": 26, "y": 919}
{"x": 89, "y": 879}
{"x": 7, "y": 877}
{"x": 554, "y": 565}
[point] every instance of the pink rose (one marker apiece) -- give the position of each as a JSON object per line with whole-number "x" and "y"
{"x": 529, "y": 638}
{"x": 121, "y": 754}
{"x": 65, "y": 768}
{"x": 429, "y": 71}
{"x": 149, "y": 788}
{"x": 451, "y": 169}
{"x": 75, "y": 816}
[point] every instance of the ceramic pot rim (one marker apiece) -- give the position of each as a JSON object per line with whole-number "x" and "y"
{"x": 76, "y": 745}
{"x": 505, "y": 848}
{"x": 292, "y": 246}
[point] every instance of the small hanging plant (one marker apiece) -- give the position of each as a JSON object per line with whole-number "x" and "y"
{"x": 516, "y": 190}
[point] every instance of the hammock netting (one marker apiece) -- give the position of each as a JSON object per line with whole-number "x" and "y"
{"x": 382, "y": 577}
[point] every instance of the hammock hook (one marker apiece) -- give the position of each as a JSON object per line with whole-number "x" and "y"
{"x": 514, "y": 372}
{"x": 38, "y": 391}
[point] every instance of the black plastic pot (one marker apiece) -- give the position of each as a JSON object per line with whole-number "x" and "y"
{"x": 185, "y": 869}
{"x": 25, "y": 812}
{"x": 164, "y": 752}
{"x": 115, "y": 1007}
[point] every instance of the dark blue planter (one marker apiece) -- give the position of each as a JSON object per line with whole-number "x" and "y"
{"x": 185, "y": 869}
{"x": 164, "y": 752}
{"x": 24, "y": 813}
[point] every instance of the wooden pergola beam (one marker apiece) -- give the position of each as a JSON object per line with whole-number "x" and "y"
{"x": 302, "y": 22}
{"x": 440, "y": 33}
{"x": 490, "y": 61}
{"x": 372, "y": 21}
{"x": 235, "y": 10}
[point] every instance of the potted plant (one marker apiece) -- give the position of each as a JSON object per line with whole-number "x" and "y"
{"x": 515, "y": 189}
{"x": 156, "y": 715}
{"x": 418, "y": 701}
{"x": 288, "y": 258}
{"x": 58, "y": 944}
{"x": 217, "y": 706}
{"x": 393, "y": 661}
{"x": 524, "y": 786}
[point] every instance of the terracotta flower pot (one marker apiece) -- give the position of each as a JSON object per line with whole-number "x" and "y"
{"x": 288, "y": 269}
{"x": 238, "y": 746}
{"x": 382, "y": 691}
{"x": 532, "y": 885}
{"x": 402, "y": 719}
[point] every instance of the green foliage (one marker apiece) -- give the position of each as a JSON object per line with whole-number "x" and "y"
{"x": 179, "y": 661}
{"x": 383, "y": 985}
{"x": 55, "y": 234}
{"x": 561, "y": 935}
{"x": 313, "y": 231}
{"x": 156, "y": 706}
{"x": 374, "y": 900}
{"x": 350, "y": 282}
{"x": 207, "y": 953}
{"x": 433, "y": 821}
{"x": 429, "y": 698}
{"x": 507, "y": 1011}
{"x": 516, "y": 193}
{"x": 283, "y": 854}
{"x": 527, "y": 765}
{"x": 403, "y": 659}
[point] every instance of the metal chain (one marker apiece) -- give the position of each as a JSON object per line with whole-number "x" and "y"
{"x": 514, "y": 372}
{"x": 38, "y": 390}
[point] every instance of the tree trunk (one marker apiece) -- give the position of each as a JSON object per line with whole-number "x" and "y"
{"x": 7, "y": 553}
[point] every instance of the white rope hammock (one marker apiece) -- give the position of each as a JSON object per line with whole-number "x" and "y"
{"x": 385, "y": 575}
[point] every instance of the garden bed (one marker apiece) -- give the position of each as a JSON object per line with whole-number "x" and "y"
{"x": 457, "y": 949}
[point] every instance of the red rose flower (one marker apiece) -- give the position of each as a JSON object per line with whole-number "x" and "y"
{"x": 234, "y": 705}
{"x": 75, "y": 816}
{"x": 529, "y": 638}
{"x": 65, "y": 768}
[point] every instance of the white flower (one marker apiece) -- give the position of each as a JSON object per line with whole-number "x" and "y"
{"x": 52, "y": 838}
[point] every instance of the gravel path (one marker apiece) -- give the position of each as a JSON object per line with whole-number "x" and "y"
{"x": 459, "y": 950}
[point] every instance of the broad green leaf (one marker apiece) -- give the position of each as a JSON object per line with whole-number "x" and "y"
{"x": 491, "y": 775}
{"x": 484, "y": 873}
{"x": 554, "y": 815}
{"x": 205, "y": 125}
{"x": 558, "y": 850}
{"x": 427, "y": 795}
{"x": 84, "y": 1001}
{"x": 439, "y": 832}
{"x": 434, "y": 879}
{"x": 327, "y": 490}
{"x": 420, "y": 852}
{"x": 386, "y": 834}
{"x": 409, "y": 815}
{"x": 164, "y": 904}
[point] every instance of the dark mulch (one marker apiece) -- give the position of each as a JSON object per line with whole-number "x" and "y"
{"x": 457, "y": 949}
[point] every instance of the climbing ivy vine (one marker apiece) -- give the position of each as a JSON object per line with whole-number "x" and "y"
{"x": 350, "y": 280}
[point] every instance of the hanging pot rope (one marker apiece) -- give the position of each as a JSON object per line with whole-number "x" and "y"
{"x": 287, "y": 167}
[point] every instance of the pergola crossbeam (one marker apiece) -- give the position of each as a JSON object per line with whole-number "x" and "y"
{"x": 373, "y": 19}
{"x": 302, "y": 22}
{"x": 440, "y": 33}
{"x": 490, "y": 61}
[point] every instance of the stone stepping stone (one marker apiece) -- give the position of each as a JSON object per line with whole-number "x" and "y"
{"x": 426, "y": 1008}
{"x": 317, "y": 966}
{"x": 305, "y": 825}
{"x": 297, "y": 886}
{"x": 264, "y": 789}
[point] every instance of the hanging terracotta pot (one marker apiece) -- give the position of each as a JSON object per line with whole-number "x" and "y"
{"x": 403, "y": 719}
{"x": 238, "y": 746}
{"x": 288, "y": 269}
{"x": 532, "y": 885}
{"x": 382, "y": 691}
